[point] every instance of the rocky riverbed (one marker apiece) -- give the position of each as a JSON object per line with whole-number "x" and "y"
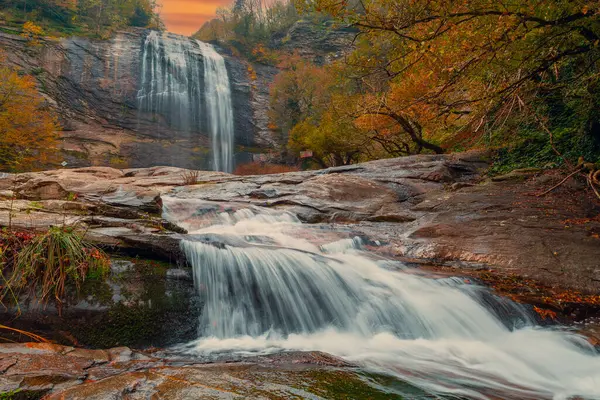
{"x": 437, "y": 212}
{"x": 57, "y": 372}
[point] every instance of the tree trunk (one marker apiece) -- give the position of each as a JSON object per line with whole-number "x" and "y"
{"x": 413, "y": 130}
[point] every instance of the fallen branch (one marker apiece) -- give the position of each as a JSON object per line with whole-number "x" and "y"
{"x": 30, "y": 335}
{"x": 590, "y": 179}
{"x": 560, "y": 183}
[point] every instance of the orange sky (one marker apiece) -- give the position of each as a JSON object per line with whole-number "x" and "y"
{"x": 187, "y": 16}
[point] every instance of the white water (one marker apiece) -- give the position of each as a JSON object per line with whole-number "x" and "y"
{"x": 219, "y": 108}
{"x": 268, "y": 289}
{"x": 174, "y": 88}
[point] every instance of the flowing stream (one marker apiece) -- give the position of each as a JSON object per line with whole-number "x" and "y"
{"x": 185, "y": 82}
{"x": 269, "y": 285}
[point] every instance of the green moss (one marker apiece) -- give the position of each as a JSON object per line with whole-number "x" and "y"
{"x": 19, "y": 394}
{"x": 80, "y": 155}
{"x": 117, "y": 161}
{"x": 148, "y": 314}
{"x": 9, "y": 395}
{"x": 536, "y": 152}
{"x": 342, "y": 385}
{"x": 345, "y": 384}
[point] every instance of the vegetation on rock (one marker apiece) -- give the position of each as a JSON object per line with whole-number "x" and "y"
{"x": 247, "y": 27}
{"x": 44, "y": 264}
{"x": 27, "y": 128}
{"x": 88, "y": 17}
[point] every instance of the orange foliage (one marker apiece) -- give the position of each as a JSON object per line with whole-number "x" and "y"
{"x": 32, "y": 33}
{"x": 544, "y": 313}
{"x": 28, "y": 136}
{"x": 256, "y": 168}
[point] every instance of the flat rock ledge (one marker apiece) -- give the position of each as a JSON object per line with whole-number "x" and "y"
{"x": 61, "y": 372}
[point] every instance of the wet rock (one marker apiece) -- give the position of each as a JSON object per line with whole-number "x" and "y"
{"x": 120, "y": 266}
{"x": 373, "y": 191}
{"x": 180, "y": 274}
{"x": 65, "y": 373}
{"x": 42, "y": 190}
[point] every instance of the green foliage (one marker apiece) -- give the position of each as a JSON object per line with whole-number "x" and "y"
{"x": 536, "y": 151}
{"x": 10, "y": 395}
{"x": 83, "y": 17}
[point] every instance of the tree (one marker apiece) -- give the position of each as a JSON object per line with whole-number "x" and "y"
{"x": 312, "y": 108}
{"x": 248, "y": 25}
{"x": 28, "y": 138}
{"x": 441, "y": 68}
{"x": 333, "y": 139}
{"x": 32, "y": 33}
{"x": 300, "y": 92}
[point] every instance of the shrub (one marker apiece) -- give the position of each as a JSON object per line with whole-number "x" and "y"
{"x": 46, "y": 264}
{"x": 257, "y": 168}
{"x": 190, "y": 177}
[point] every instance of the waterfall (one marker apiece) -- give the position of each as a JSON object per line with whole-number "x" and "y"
{"x": 269, "y": 284}
{"x": 185, "y": 83}
{"x": 219, "y": 109}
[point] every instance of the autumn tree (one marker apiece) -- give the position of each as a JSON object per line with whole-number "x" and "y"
{"x": 448, "y": 68}
{"x": 32, "y": 33}
{"x": 299, "y": 92}
{"x": 247, "y": 26}
{"x": 312, "y": 109}
{"x": 28, "y": 137}
{"x": 100, "y": 17}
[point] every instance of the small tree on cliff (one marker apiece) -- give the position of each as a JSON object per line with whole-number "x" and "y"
{"x": 27, "y": 130}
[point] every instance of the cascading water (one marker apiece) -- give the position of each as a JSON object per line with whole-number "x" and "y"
{"x": 183, "y": 80}
{"x": 171, "y": 81}
{"x": 220, "y": 111}
{"x": 267, "y": 287}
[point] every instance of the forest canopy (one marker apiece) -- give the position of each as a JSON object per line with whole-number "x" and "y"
{"x": 92, "y": 17}
{"x": 437, "y": 76}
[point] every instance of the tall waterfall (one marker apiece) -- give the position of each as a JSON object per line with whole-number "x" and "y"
{"x": 269, "y": 286}
{"x": 219, "y": 109}
{"x": 185, "y": 82}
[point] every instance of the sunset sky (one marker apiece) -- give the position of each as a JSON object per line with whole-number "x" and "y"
{"x": 186, "y": 16}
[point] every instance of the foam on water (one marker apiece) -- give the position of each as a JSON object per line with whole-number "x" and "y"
{"x": 445, "y": 336}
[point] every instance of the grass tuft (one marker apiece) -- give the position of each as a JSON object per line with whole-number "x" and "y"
{"x": 190, "y": 177}
{"x": 49, "y": 262}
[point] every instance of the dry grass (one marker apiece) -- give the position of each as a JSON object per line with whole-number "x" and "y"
{"x": 47, "y": 263}
{"x": 29, "y": 335}
{"x": 257, "y": 168}
{"x": 190, "y": 177}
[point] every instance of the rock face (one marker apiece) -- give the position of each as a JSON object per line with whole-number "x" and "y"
{"x": 94, "y": 87}
{"x": 59, "y": 372}
{"x": 437, "y": 209}
{"x": 319, "y": 42}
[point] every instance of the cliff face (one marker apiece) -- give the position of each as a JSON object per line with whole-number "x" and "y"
{"x": 94, "y": 86}
{"x": 321, "y": 43}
